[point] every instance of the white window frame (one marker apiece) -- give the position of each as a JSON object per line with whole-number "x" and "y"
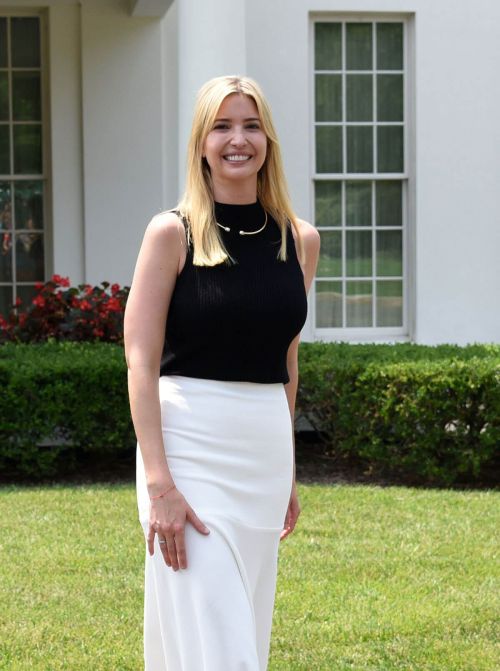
{"x": 42, "y": 15}
{"x": 407, "y": 177}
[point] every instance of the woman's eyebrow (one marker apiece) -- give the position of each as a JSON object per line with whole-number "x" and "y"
{"x": 256, "y": 118}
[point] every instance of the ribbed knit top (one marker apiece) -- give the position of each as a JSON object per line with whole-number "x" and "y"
{"x": 236, "y": 322}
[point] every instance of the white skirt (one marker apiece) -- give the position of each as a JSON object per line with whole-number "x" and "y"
{"x": 229, "y": 447}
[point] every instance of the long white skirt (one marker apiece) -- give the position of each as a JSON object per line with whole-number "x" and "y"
{"x": 229, "y": 447}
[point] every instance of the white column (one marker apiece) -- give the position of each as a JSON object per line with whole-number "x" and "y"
{"x": 211, "y": 39}
{"x": 67, "y": 234}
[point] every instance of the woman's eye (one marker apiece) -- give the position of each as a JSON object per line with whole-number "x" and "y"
{"x": 221, "y": 126}
{"x": 254, "y": 126}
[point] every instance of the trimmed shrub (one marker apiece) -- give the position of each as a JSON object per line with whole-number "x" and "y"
{"x": 432, "y": 413}
{"x": 61, "y": 403}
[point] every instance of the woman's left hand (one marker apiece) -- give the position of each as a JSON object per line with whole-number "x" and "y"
{"x": 292, "y": 514}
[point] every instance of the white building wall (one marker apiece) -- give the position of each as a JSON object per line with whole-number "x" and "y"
{"x": 122, "y": 135}
{"x": 456, "y": 223}
{"x": 66, "y": 235}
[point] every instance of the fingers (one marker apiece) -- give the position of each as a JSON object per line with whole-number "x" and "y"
{"x": 151, "y": 539}
{"x": 291, "y": 518}
{"x": 172, "y": 544}
{"x": 180, "y": 546}
{"x": 172, "y": 554}
{"x": 196, "y": 522}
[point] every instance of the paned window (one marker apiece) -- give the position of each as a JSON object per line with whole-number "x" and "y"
{"x": 359, "y": 175}
{"x": 21, "y": 164}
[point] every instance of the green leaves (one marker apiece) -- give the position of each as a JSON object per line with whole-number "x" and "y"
{"x": 428, "y": 413}
{"x": 61, "y": 403}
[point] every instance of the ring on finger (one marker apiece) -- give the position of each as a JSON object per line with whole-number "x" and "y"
{"x": 163, "y": 540}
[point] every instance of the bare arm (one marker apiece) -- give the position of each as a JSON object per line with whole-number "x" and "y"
{"x": 311, "y": 244}
{"x": 144, "y": 330}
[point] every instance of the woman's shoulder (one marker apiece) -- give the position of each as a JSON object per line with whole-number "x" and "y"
{"x": 308, "y": 233}
{"x": 167, "y": 226}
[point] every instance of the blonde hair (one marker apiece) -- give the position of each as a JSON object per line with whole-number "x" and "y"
{"x": 197, "y": 203}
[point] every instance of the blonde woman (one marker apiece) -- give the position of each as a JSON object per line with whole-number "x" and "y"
{"x": 212, "y": 329}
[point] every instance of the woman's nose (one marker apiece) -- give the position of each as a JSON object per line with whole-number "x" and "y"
{"x": 239, "y": 137}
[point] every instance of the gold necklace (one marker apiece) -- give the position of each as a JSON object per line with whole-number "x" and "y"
{"x": 226, "y": 228}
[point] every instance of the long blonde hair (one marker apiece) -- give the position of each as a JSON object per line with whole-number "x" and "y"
{"x": 197, "y": 203}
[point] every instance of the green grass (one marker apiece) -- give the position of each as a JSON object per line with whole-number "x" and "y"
{"x": 373, "y": 579}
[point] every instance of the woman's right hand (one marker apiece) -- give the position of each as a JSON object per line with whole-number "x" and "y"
{"x": 167, "y": 518}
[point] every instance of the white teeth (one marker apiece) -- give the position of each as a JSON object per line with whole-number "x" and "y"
{"x": 237, "y": 157}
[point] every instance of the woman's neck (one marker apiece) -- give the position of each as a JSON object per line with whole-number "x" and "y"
{"x": 237, "y": 194}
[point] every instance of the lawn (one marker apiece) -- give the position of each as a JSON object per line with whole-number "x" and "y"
{"x": 373, "y": 579}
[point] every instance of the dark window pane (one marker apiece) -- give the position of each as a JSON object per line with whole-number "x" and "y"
{"x": 26, "y": 96}
{"x": 328, "y": 304}
{"x": 328, "y": 203}
{"x": 390, "y": 97}
{"x": 389, "y": 46}
{"x": 4, "y": 150}
{"x": 359, "y": 46}
{"x": 6, "y": 300}
{"x": 328, "y": 149}
{"x": 390, "y": 148}
{"x": 359, "y": 95}
{"x": 29, "y": 205}
{"x": 359, "y": 149}
{"x": 4, "y": 96}
{"x": 5, "y": 232}
{"x": 330, "y": 257}
{"x": 359, "y": 203}
{"x": 328, "y": 96}
{"x": 5, "y": 206}
{"x": 25, "y": 42}
{"x": 26, "y": 294}
{"x": 29, "y": 257}
{"x": 327, "y": 46}
{"x": 390, "y": 303}
{"x": 389, "y": 210}
{"x": 358, "y": 253}
{"x": 27, "y": 149}
{"x": 389, "y": 253}
{"x": 3, "y": 43}
{"x": 359, "y": 304}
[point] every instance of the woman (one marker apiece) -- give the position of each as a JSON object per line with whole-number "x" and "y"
{"x": 215, "y": 310}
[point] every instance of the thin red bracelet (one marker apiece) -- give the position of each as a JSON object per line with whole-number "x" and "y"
{"x": 158, "y": 496}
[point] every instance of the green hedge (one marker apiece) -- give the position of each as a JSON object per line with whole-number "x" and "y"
{"x": 76, "y": 392}
{"x": 429, "y": 412}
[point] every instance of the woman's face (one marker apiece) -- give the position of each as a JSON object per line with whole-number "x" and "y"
{"x": 235, "y": 148}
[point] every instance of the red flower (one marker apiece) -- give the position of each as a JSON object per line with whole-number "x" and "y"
{"x": 39, "y": 301}
{"x": 75, "y": 302}
{"x": 18, "y": 301}
{"x": 88, "y": 289}
{"x": 85, "y": 305}
{"x": 113, "y": 305}
{"x": 38, "y": 285}
{"x": 115, "y": 288}
{"x": 62, "y": 281}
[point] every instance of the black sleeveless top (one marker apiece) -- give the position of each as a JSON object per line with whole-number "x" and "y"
{"x": 235, "y": 322}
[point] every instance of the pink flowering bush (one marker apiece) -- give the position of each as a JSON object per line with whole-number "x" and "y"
{"x": 61, "y": 312}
